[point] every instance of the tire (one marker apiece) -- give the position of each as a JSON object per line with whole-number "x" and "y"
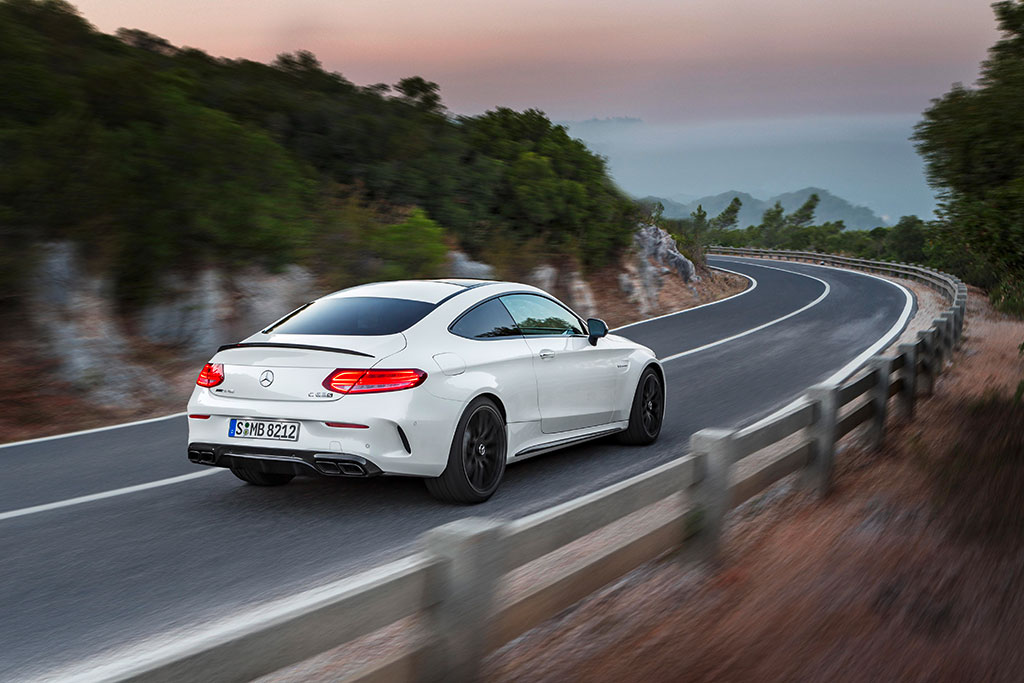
{"x": 476, "y": 459}
{"x": 648, "y": 411}
{"x": 261, "y": 478}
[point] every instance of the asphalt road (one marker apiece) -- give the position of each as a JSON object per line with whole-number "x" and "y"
{"x": 84, "y": 580}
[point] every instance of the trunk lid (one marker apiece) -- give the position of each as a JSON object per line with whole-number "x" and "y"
{"x": 290, "y": 367}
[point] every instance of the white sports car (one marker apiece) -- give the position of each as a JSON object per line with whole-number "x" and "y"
{"x": 448, "y": 380}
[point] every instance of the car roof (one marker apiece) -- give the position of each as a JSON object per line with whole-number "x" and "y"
{"x": 429, "y": 291}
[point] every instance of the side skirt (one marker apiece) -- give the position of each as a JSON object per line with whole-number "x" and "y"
{"x": 564, "y": 442}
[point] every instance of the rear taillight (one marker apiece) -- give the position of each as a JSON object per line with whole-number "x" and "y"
{"x": 212, "y": 375}
{"x": 345, "y": 381}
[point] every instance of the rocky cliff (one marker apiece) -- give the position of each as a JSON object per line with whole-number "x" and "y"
{"x": 104, "y": 354}
{"x": 101, "y": 352}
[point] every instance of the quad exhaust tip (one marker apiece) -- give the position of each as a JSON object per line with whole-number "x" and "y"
{"x": 202, "y": 456}
{"x": 343, "y": 468}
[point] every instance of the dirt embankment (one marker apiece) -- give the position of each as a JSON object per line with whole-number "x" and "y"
{"x": 674, "y": 295}
{"x": 912, "y": 569}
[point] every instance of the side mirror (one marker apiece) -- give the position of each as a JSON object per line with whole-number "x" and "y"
{"x": 598, "y": 328}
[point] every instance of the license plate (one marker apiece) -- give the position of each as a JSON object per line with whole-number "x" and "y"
{"x": 275, "y": 430}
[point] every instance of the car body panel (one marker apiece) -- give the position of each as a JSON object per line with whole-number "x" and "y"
{"x": 577, "y": 382}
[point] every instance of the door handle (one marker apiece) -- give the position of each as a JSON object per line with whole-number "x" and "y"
{"x": 546, "y": 354}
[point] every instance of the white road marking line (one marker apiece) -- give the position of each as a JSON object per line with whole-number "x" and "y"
{"x": 751, "y": 288}
{"x": 11, "y": 514}
{"x": 89, "y": 431}
{"x": 845, "y": 371}
{"x": 752, "y": 330}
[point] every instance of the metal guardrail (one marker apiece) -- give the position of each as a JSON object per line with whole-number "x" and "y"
{"x": 451, "y": 584}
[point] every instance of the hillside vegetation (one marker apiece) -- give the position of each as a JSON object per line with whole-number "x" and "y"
{"x": 972, "y": 142}
{"x": 153, "y": 157}
{"x": 830, "y": 209}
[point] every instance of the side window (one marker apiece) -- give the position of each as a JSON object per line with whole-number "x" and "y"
{"x": 486, "y": 321}
{"x": 538, "y": 316}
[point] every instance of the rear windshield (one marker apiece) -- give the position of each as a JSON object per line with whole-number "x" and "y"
{"x": 354, "y": 316}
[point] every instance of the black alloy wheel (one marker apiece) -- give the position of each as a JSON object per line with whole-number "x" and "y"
{"x": 652, "y": 405}
{"x": 476, "y": 459}
{"x": 647, "y": 412}
{"x": 483, "y": 444}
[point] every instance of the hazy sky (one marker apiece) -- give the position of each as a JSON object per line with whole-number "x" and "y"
{"x": 679, "y": 65}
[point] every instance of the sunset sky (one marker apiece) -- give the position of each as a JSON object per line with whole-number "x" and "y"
{"x": 833, "y": 69}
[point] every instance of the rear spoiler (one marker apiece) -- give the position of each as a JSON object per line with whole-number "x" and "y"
{"x": 307, "y": 347}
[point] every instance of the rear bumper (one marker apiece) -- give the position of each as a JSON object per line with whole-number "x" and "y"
{"x": 403, "y": 433}
{"x": 282, "y": 460}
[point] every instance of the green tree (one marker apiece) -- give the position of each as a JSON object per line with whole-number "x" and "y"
{"x": 972, "y": 142}
{"x": 906, "y": 240}
{"x": 804, "y": 215}
{"x": 773, "y": 222}
{"x": 551, "y": 185}
{"x": 727, "y": 219}
{"x": 156, "y": 158}
{"x": 414, "y": 248}
{"x": 421, "y": 93}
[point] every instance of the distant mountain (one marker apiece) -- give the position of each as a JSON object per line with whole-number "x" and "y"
{"x": 672, "y": 209}
{"x": 830, "y": 208}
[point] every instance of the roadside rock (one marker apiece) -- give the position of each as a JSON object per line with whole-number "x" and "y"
{"x": 199, "y": 313}
{"x": 655, "y": 254}
{"x": 73, "y": 314}
{"x": 581, "y": 297}
{"x": 543, "y": 276}
{"x": 460, "y": 265}
{"x": 655, "y": 244}
{"x": 259, "y": 298}
{"x": 566, "y": 283}
{"x": 82, "y": 333}
{"x": 190, "y": 315}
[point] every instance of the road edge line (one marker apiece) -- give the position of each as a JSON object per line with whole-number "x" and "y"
{"x": 69, "y": 502}
{"x": 883, "y": 342}
{"x": 93, "y": 430}
{"x": 705, "y": 347}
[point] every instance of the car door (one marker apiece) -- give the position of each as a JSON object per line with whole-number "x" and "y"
{"x": 576, "y": 382}
{"x": 488, "y": 351}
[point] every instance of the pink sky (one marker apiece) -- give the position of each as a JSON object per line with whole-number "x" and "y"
{"x": 659, "y": 60}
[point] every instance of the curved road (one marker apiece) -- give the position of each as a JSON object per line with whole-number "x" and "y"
{"x": 79, "y": 580}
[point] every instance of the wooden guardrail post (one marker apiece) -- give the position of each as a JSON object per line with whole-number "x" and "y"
{"x": 823, "y": 431}
{"x": 710, "y": 493}
{"x": 908, "y": 395}
{"x": 880, "y": 365}
{"x": 461, "y": 597}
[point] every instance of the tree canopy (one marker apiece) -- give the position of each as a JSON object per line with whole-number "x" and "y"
{"x": 972, "y": 141}
{"x": 153, "y": 157}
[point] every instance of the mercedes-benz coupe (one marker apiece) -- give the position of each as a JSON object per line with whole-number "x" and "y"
{"x": 448, "y": 380}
